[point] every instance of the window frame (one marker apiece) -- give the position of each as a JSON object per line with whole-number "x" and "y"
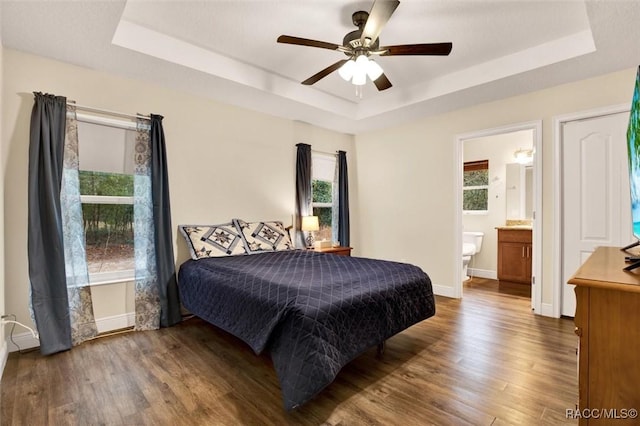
{"x": 469, "y": 166}
{"x": 314, "y": 204}
{"x": 109, "y": 277}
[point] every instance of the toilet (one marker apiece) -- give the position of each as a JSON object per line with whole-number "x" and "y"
{"x": 471, "y": 245}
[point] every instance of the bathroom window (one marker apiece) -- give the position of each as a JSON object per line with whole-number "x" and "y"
{"x": 475, "y": 187}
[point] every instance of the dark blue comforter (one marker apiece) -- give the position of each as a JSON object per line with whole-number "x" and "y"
{"x": 313, "y": 312}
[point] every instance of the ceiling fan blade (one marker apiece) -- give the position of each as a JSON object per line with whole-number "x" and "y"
{"x": 380, "y": 13}
{"x": 325, "y": 72}
{"x": 442, "y": 49}
{"x": 382, "y": 82}
{"x": 307, "y": 42}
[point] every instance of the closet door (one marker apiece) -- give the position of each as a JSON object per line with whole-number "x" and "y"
{"x": 595, "y": 187}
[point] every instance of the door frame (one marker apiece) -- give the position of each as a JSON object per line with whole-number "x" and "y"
{"x": 555, "y": 309}
{"x": 536, "y": 127}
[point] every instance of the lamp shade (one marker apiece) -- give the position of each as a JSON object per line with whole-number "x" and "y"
{"x": 310, "y": 223}
{"x": 346, "y": 71}
{"x": 373, "y": 70}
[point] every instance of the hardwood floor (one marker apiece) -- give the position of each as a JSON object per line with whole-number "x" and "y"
{"x": 482, "y": 360}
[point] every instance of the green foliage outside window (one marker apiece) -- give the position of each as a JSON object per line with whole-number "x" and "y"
{"x": 476, "y": 178}
{"x": 105, "y": 223}
{"x": 322, "y": 192}
{"x": 475, "y": 191}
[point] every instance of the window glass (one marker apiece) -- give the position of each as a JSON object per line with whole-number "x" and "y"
{"x": 323, "y": 172}
{"x": 475, "y": 190}
{"x": 106, "y": 192}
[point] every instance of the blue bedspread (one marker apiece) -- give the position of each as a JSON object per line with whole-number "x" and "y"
{"x": 313, "y": 312}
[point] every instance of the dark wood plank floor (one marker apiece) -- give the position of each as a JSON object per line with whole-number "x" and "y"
{"x": 483, "y": 360}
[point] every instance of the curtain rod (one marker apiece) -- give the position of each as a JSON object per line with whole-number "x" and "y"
{"x": 323, "y": 152}
{"x": 106, "y": 111}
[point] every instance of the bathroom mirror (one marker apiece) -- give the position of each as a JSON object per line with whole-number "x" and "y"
{"x": 519, "y": 191}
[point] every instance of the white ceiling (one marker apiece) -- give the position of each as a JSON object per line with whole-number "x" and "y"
{"x": 227, "y": 50}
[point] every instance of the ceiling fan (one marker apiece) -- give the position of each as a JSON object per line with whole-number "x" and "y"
{"x": 362, "y": 43}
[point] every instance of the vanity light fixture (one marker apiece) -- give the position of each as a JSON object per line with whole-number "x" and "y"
{"x": 523, "y": 156}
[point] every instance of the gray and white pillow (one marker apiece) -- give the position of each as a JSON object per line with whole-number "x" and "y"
{"x": 264, "y": 236}
{"x": 213, "y": 240}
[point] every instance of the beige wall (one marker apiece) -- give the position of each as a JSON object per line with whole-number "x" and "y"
{"x": 224, "y": 161}
{"x": 3, "y": 342}
{"x": 406, "y": 175}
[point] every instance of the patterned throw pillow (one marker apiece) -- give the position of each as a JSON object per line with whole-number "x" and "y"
{"x": 264, "y": 236}
{"x": 213, "y": 240}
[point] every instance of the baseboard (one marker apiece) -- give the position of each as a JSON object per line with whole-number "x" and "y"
{"x": 4, "y": 354}
{"x": 24, "y": 341}
{"x": 483, "y": 273}
{"x": 115, "y": 322}
{"x": 546, "y": 309}
{"x": 443, "y": 290}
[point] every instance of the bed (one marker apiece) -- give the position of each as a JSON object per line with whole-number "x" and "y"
{"x": 313, "y": 312}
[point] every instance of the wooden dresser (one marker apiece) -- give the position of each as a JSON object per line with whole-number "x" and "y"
{"x": 608, "y": 323}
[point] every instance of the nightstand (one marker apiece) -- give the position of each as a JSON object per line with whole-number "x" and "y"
{"x": 340, "y": 251}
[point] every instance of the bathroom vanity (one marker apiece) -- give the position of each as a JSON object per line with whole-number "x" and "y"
{"x": 514, "y": 254}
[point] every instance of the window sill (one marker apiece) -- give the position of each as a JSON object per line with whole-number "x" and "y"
{"x": 114, "y": 277}
{"x": 476, "y": 212}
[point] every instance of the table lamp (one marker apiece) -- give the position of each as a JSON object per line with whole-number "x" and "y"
{"x": 310, "y": 224}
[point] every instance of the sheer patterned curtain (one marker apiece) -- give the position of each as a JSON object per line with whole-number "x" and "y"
{"x": 60, "y": 292}
{"x": 147, "y": 299}
{"x": 81, "y": 318}
{"x": 156, "y": 291}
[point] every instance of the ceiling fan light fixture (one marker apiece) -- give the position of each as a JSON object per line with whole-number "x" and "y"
{"x": 346, "y": 71}
{"x": 360, "y": 70}
{"x": 359, "y": 77}
{"x": 373, "y": 70}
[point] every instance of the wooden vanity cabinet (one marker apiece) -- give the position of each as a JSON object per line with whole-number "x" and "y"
{"x": 514, "y": 255}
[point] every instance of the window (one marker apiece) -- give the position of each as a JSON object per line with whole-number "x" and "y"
{"x": 106, "y": 194}
{"x": 322, "y": 176}
{"x": 475, "y": 187}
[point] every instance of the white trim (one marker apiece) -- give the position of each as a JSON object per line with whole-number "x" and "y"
{"x": 116, "y": 322}
{"x": 557, "y": 253}
{"x": 112, "y": 277}
{"x": 105, "y": 199}
{"x": 24, "y": 340}
{"x": 546, "y": 309}
{"x": 458, "y": 182}
{"x": 106, "y": 324}
{"x": 483, "y": 273}
{"x": 536, "y": 127}
{"x": 445, "y": 290}
{"x": 321, "y": 205}
{"x": 4, "y": 354}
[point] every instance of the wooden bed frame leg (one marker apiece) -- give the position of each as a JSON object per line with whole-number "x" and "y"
{"x": 381, "y": 347}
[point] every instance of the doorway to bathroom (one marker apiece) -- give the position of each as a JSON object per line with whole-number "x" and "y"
{"x": 504, "y": 208}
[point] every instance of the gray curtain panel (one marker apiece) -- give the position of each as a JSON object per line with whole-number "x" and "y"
{"x": 44, "y": 235}
{"x": 303, "y": 189}
{"x": 165, "y": 263}
{"x": 343, "y": 201}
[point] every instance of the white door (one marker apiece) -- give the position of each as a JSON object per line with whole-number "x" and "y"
{"x": 595, "y": 187}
